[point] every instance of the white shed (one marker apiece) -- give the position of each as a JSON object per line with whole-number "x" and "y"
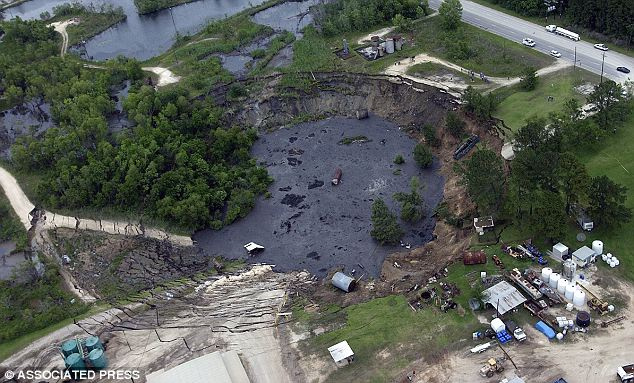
{"x": 584, "y": 255}
{"x": 341, "y": 353}
{"x": 560, "y": 250}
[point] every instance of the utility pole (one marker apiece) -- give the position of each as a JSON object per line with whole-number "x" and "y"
{"x": 574, "y": 68}
{"x": 602, "y": 62}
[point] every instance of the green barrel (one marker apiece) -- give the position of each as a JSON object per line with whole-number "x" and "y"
{"x": 75, "y": 362}
{"x": 98, "y": 359}
{"x": 70, "y": 347}
{"x": 92, "y": 343}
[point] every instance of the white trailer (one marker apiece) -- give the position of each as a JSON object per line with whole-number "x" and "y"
{"x": 566, "y": 33}
{"x": 626, "y": 373}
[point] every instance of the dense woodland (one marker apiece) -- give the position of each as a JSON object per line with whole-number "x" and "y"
{"x": 180, "y": 164}
{"x": 354, "y": 15}
{"x": 609, "y": 17}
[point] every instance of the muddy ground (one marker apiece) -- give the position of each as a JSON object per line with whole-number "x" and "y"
{"x": 308, "y": 223}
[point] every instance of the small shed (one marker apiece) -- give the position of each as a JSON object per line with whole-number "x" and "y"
{"x": 560, "y": 250}
{"x": 583, "y": 256}
{"x": 481, "y": 224}
{"x": 504, "y": 297}
{"x": 253, "y": 248}
{"x": 341, "y": 353}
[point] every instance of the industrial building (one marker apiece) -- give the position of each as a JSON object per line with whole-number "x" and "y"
{"x": 504, "y": 297}
{"x": 482, "y": 224}
{"x": 217, "y": 367}
{"x": 583, "y": 256}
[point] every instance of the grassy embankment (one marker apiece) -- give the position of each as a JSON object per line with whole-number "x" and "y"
{"x": 543, "y": 21}
{"x": 92, "y": 21}
{"x": 483, "y": 51}
{"x": 11, "y": 228}
{"x": 519, "y": 105}
{"x": 149, "y": 6}
{"x": 385, "y": 335}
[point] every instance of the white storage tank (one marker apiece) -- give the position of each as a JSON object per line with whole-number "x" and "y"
{"x": 497, "y": 325}
{"x": 570, "y": 291}
{"x": 554, "y": 279}
{"x": 616, "y": 261}
{"x": 389, "y": 45}
{"x": 546, "y": 272}
{"x": 604, "y": 257}
{"x": 612, "y": 263}
{"x": 597, "y": 246}
{"x": 561, "y": 285}
{"x": 579, "y": 298}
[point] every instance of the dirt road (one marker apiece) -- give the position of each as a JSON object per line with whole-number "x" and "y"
{"x": 60, "y": 27}
{"x": 166, "y": 76}
{"x": 401, "y": 68}
{"x": 23, "y": 207}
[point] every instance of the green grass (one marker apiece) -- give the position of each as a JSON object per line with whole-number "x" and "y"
{"x": 10, "y": 226}
{"x": 388, "y": 324}
{"x": 9, "y": 348}
{"x": 518, "y": 105}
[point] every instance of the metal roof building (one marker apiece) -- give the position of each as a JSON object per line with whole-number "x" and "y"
{"x": 504, "y": 297}
{"x": 216, "y": 367}
{"x": 584, "y": 255}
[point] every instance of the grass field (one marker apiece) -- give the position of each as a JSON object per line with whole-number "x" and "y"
{"x": 518, "y": 105}
{"x": 386, "y": 335}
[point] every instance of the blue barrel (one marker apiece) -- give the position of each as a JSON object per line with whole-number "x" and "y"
{"x": 92, "y": 343}
{"x": 75, "y": 362}
{"x": 70, "y": 347}
{"x": 98, "y": 359}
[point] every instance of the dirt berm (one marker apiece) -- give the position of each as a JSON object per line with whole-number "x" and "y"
{"x": 281, "y": 99}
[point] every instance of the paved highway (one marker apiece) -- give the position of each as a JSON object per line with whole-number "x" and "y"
{"x": 516, "y": 29}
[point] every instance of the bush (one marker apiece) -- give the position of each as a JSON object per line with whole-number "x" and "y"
{"x": 529, "y": 79}
{"x": 423, "y": 156}
{"x": 455, "y": 125}
{"x": 385, "y": 228}
{"x": 399, "y": 160}
{"x": 429, "y": 133}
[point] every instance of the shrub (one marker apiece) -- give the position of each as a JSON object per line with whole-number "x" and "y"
{"x": 423, "y": 156}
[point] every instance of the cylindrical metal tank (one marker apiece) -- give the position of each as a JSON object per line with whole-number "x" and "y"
{"x": 398, "y": 42}
{"x": 597, "y": 246}
{"x": 570, "y": 291}
{"x": 579, "y": 298}
{"x": 92, "y": 343}
{"x": 583, "y": 319}
{"x": 554, "y": 279}
{"x": 98, "y": 359}
{"x": 389, "y": 45}
{"x": 75, "y": 362}
{"x": 561, "y": 285}
{"x": 546, "y": 272}
{"x": 70, "y": 347}
{"x": 375, "y": 41}
{"x": 570, "y": 268}
{"x": 344, "y": 282}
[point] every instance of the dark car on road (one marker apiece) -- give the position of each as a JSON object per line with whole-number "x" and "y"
{"x": 622, "y": 69}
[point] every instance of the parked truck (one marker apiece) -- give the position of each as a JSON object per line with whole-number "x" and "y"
{"x": 563, "y": 32}
{"x": 626, "y": 373}
{"x": 516, "y": 330}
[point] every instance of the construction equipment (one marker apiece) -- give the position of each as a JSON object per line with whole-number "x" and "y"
{"x": 615, "y": 320}
{"x": 599, "y": 306}
{"x": 494, "y": 365}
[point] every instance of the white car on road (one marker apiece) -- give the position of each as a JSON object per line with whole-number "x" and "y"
{"x": 528, "y": 42}
{"x": 555, "y": 53}
{"x": 601, "y": 47}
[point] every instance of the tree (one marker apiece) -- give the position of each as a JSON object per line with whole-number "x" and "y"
{"x": 549, "y": 217}
{"x": 607, "y": 203}
{"x": 411, "y": 203}
{"x": 477, "y": 104}
{"x": 403, "y": 23}
{"x": 574, "y": 180}
{"x": 455, "y": 125}
{"x": 529, "y": 79}
{"x": 450, "y": 14}
{"x": 385, "y": 228}
{"x": 483, "y": 176}
{"x": 423, "y": 156}
{"x": 399, "y": 160}
{"x": 611, "y": 108}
